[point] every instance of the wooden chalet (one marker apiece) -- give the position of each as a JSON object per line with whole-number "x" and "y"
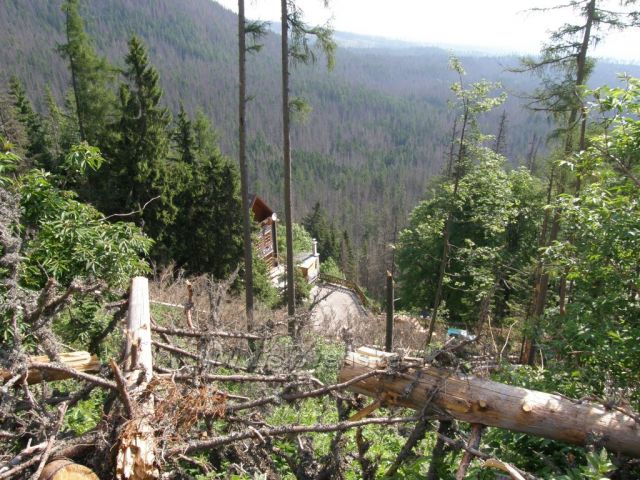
{"x": 267, "y": 239}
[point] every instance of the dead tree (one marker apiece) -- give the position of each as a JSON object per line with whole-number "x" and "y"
{"x": 481, "y": 401}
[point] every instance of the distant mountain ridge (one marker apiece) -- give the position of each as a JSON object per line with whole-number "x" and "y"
{"x": 379, "y": 125}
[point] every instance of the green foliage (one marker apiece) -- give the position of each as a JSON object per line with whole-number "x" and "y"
{"x": 184, "y": 137}
{"x": 598, "y": 467}
{"x": 493, "y": 237}
{"x": 319, "y": 227}
{"x": 302, "y": 241}
{"x": 206, "y": 234}
{"x": 599, "y": 337}
{"x": 82, "y": 158}
{"x": 302, "y": 287}
{"x": 9, "y": 162}
{"x": 301, "y": 49}
{"x": 73, "y": 240}
{"x": 330, "y": 267}
{"x": 86, "y": 414}
{"x": 36, "y": 145}
{"x": 263, "y": 288}
{"x": 327, "y": 359}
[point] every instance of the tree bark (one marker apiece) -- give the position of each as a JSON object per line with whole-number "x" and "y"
{"x": 244, "y": 177}
{"x": 480, "y": 401}
{"x": 286, "y": 147}
{"x": 389, "y": 330}
{"x": 136, "y": 458}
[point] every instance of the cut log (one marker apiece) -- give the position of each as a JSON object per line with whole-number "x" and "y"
{"x": 478, "y": 400}
{"x": 79, "y": 361}
{"x": 63, "y": 469}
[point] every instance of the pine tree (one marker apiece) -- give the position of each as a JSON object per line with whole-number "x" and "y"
{"x": 205, "y": 138}
{"x": 254, "y": 29}
{"x": 298, "y": 49}
{"x": 91, "y": 78}
{"x": 60, "y": 131}
{"x": 318, "y": 225}
{"x": 347, "y": 258}
{"x": 202, "y": 229}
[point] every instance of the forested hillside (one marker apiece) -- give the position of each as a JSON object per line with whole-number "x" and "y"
{"x": 143, "y": 329}
{"x": 376, "y": 134}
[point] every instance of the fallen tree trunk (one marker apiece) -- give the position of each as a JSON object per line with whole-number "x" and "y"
{"x": 477, "y": 400}
{"x": 78, "y": 361}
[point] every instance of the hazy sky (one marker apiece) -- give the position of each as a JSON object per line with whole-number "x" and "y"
{"x": 503, "y": 25}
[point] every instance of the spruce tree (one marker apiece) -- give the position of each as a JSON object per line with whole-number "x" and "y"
{"x": 318, "y": 225}
{"x": 184, "y": 138}
{"x": 91, "y": 77}
{"x": 204, "y": 233}
{"x": 36, "y": 147}
{"x": 142, "y": 134}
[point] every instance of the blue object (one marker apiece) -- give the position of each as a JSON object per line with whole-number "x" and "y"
{"x": 458, "y": 332}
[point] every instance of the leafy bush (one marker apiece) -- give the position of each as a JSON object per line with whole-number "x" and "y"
{"x": 72, "y": 239}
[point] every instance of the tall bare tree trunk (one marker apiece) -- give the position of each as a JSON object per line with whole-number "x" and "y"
{"x": 286, "y": 147}
{"x": 244, "y": 178}
{"x": 456, "y": 170}
{"x": 501, "y": 137}
{"x": 541, "y": 283}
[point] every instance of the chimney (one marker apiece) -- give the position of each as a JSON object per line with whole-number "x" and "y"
{"x": 315, "y": 247}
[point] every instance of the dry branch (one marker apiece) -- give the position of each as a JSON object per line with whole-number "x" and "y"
{"x": 72, "y": 363}
{"x": 278, "y": 378}
{"x": 301, "y": 395}
{"x": 207, "y": 334}
{"x": 185, "y": 353}
{"x": 474, "y": 443}
{"x": 122, "y": 389}
{"x": 197, "y": 445}
{"x": 47, "y": 451}
{"x": 59, "y": 372}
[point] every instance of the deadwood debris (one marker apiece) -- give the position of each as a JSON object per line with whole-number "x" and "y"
{"x": 208, "y": 392}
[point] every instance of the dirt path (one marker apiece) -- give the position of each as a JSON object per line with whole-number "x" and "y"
{"x": 336, "y": 308}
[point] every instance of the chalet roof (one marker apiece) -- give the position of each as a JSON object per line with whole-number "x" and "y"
{"x": 260, "y": 209}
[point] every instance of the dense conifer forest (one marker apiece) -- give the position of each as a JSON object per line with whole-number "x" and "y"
{"x": 487, "y": 206}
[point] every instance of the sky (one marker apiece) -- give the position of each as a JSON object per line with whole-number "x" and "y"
{"x": 504, "y": 26}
